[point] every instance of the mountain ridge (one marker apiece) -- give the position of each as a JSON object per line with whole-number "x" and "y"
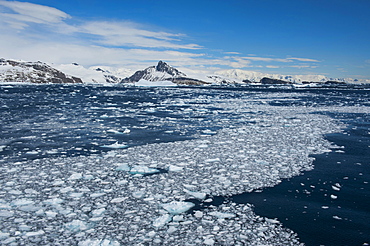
{"x": 39, "y": 72}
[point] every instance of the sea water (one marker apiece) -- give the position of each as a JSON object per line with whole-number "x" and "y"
{"x": 111, "y": 165}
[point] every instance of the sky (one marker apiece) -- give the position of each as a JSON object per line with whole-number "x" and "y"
{"x": 326, "y": 37}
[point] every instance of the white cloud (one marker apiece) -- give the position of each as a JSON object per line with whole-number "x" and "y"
{"x": 131, "y": 34}
{"x": 18, "y": 14}
{"x": 303, "y": 59}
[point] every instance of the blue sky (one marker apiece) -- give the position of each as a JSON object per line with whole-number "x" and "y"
{"x": 328, "y": 37}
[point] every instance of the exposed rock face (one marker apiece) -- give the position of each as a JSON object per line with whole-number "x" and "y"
{"x": 32, "y": 72}
{"x": 162, "y": 72}
{"x": 268, "y": 81}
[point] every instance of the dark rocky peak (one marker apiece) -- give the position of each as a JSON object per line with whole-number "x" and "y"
{"x": 164, "y": 67}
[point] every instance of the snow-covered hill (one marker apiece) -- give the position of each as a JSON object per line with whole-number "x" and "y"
{"x": 32, "y": 72}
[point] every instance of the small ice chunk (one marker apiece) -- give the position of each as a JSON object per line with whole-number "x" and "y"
{"x": 75, "y": 176}
{"x": 162, "y": 220}
{"x": 209, "y": 241}
{"x": 123, "y": 167}
{"x": 76, "y": 226}
{"x": 98, "y": 212}
{"x": 53, "y": 201}
{"x": 6, "y": 213}
{"x": 198, "y": 214}
{"x": 333, "y": 197}
{"x": 98, "y": 242}
{"x": 337, "y": 217}
{"x": 34, "y": 233}
{"x": 212, "y": 160}
{"x": 273, "y": 221}
{"x": 118, "y": 199}
{"x": 177, "y": 207}
{"x": 198, "y": 195}
{"x": 174, "y": 168}
{"x": 4, "y": 235}
{"x": 51, "y": 214}
{"x": 22, "y": 202}
{"x": 116, "y": 145}
{"x": 139, "y": 169}
{"x": 138, "y": 194}
{"x": 222, "y": 215}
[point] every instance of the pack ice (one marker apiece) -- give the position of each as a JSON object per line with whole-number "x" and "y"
{"x": 108, "y": 199}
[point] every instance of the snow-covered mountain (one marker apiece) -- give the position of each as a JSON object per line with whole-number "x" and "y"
{"x": 33, "y": 72}
{"x": 95, "y": 74}
{"x": 240, "y": 76}
{"x": 162, "y": 72}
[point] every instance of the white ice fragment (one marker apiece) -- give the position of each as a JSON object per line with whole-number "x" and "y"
{"x": 198, "y": 214}
{"x": 51, "y": 214}
{"x": 198, "y": 195}
{"x": 98, "y": 242}
{"x": 22, "y": 202}
{"x": 324, "y": 207}
{"x": 58, "y": 183}
{"x": 98, "y": 212}
{"x": 34, "y": 233}
{"x": 98, "y": 194}
{"x": 174, "y": 168}
{"x": 123, "y": 167}
{"x": 335, "y": 188}
{"x": 6, "y": 213}
{"x": 138, "y": 194}
{"x": 66, "y": 189}
{"x": 337, "y": 217}
{"x": 118, "y": 199}
{"x": 273, "y": 221}
{"x": 333, "y": 197}
{"x": 222, "y": 215}
{"x": 76, "y": 226}
{"x": 4, "y": 235}
{"x": 162, "y": 220}
{"x": 177, "y": 207}
{"x": 178, "y": 218}
{"x": 212, "y": 160}
{"x": 75, "y": 176}
{"x": 139, "y": 169}
{"x": 209, "y": 241}
{"x": 53, "y": 201}
{"x": 116, "y": 145}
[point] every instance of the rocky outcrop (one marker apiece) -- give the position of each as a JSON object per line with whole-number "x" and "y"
{"x": 268, "y": 81}
{"x": 32, "y": 72}
{"x": 162, "y": 72}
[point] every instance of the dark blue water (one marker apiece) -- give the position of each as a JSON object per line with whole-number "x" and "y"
{"x": 304, "y": 203}
{"x": 329, "y": 205}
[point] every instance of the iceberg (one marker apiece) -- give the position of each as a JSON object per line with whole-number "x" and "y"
{"x": 177, "y": 207}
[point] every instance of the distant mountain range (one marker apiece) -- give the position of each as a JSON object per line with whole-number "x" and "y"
{"x": 39, "y": 72}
